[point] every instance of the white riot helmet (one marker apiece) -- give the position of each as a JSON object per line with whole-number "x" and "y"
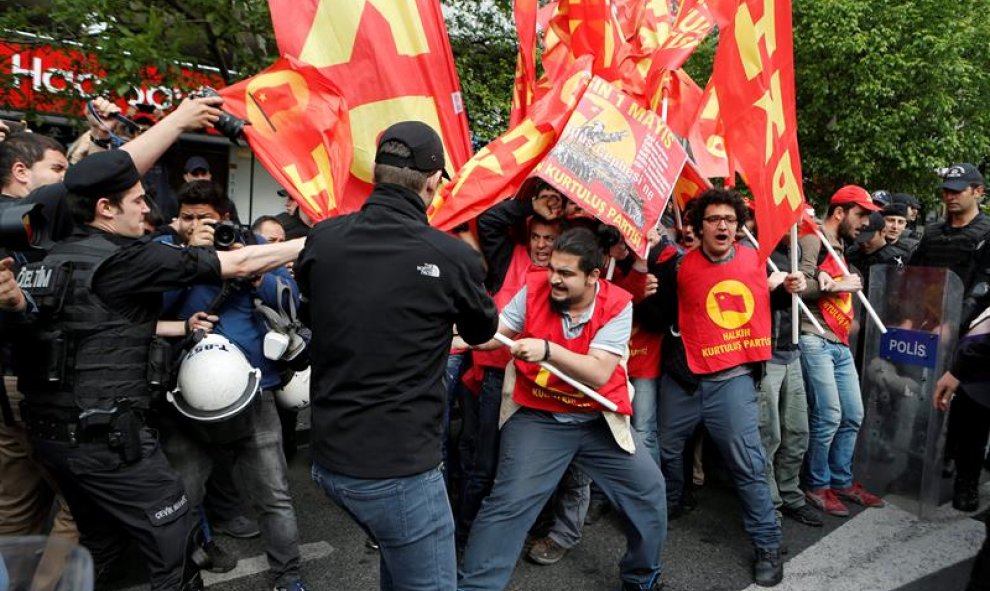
{"x": 215, "y": 381}
{"x": 295, "y": 394}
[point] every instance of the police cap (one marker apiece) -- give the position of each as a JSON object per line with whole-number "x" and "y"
{"x": 102, "y": 174}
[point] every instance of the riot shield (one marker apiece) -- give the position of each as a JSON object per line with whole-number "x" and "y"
{"x": 902, "y": 437}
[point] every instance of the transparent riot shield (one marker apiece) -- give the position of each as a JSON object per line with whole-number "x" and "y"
{"x": 902, "y": 437}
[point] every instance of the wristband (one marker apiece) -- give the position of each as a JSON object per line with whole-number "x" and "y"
{"x": 104, "y": 143}
{"x": 546, "y": 350}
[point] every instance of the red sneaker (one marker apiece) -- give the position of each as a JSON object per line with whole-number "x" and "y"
{"x": 824, "y": 499}
{"x": 859, "y": 495}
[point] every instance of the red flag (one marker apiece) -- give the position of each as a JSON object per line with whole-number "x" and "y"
{"x": 299, "y": 130}
{"x": 690, "y": 185}
{"x": 391, "y": 60}
{"x": 754, "y": 79}
{"x": 498, "y": 170}
{"x": 525, "y": 12}
{"x": 706, "y": 137}
{"x": 730, "y": 302}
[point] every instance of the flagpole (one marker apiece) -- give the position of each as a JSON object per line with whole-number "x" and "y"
{"x": 845, "y": 271}
{"x": 773, "y": 267}
{"x": 611, "y": 268}
{"x": 795, "y": 298}
{"x": 584, "y": 389}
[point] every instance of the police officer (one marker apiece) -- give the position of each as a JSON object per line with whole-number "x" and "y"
{"x": 93, "y": 358}
{"x": 959, "y": 244}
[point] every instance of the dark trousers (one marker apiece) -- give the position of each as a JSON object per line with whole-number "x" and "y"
{"x": 969, "y": 426}
{"x": 117, "y": 504}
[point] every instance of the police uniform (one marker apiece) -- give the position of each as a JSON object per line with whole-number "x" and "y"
{"x": 88, "y": 388}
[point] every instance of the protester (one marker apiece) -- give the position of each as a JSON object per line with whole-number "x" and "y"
{"x": 383, "y": 292}
{"x": 536, "y": 216}
{"x": 581, "y": 323}
{"x": 835, "y": 405}
{"x": 784, "y": 407}
{"x": 713, "y": 306}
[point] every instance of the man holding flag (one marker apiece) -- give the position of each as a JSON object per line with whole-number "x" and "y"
{"x": 835, "y": 406}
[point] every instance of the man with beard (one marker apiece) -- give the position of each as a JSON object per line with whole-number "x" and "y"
{"x": 509, "y": 262}
{"x": 835, "y": 405}
{"x": 580, "y": 323}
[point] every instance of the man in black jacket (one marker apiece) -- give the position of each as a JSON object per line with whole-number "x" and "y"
{"x": 382, "y": 292}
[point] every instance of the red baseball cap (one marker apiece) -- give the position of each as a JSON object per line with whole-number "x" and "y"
{"x": 855, "y": 195}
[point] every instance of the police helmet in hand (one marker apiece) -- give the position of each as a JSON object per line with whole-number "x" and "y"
{"x": 215, "y": 381}
{"x": 295, "y": 394}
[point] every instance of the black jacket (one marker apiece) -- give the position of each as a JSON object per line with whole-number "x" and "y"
{"x": 382, "y": 291}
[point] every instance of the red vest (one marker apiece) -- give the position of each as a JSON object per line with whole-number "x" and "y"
{"x": 836, "y": 308}
{"x": 515, "y": 277}
{"x": 536, "y": 387}
{"x": 723, "y": 311}
{"x": 644, "y": 346}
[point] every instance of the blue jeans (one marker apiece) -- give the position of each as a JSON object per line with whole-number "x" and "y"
{"x": 644, "y": 417}
{"x": 409, "y": 517}
{"x": 573, "y": 499}
{"x": 536, "y": 451}
{"x": 253, "y": 441}
{"x": 457, "y": 364}
{"x": 479, "y": 448}
{"x": 731, "y": 415}
{"x": 835, "y": 412}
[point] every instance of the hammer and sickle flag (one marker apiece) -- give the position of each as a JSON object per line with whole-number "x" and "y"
{"x": 299, "y": 130}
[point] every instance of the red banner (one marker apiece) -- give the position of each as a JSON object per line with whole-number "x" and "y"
{"x": 754, "y": 79}
{"x": 498, "y": 170}
{"x": 617, "y": 161}
{"x": 392, "y": 62}
{"x": 299, "y": 130}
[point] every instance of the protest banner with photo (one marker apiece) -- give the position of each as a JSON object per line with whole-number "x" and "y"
{"x": 617, "y": 161}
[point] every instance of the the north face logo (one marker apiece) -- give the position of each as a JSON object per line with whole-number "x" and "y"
{"x": 429, "y": 270}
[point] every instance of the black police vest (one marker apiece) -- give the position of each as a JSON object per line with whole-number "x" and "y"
{"x": 83, "y": 355}
{"x": 954, "y": 250}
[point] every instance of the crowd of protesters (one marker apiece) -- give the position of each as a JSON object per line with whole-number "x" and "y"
{"x": 690, "y": 346}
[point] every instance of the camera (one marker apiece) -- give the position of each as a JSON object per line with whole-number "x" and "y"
{"x": 227, "y": 233}
{"x": 229, "y": 125}
{"x": 22, "y": 226}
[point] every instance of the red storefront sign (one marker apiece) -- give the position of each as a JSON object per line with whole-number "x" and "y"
{"x": 52, "y": 81}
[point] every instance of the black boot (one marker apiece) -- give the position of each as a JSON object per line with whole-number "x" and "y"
{"x": 768, "y": 569}
{"x": 966, "y": 494}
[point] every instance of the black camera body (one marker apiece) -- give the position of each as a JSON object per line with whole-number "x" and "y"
{"x": 230, "y": 126}
{"x": 22, "y": 226}
{"x": 228, "y": 233}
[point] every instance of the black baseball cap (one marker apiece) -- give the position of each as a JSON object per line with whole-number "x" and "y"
{"x": 197, "y": 163}
{"x": 960, "y": 176}
{"x": 876, "y": 225}
{"x": 424, "y": 143}
{"x": 895, "y": 209}
{"x": 906, "y": 199}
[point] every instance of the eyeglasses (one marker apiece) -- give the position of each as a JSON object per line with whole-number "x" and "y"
{"x": 715, "y": 220}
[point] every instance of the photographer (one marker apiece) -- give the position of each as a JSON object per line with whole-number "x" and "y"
{"x": 252, "y": 436}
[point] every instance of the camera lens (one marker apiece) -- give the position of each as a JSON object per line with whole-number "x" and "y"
{"x": 224, "y": 236}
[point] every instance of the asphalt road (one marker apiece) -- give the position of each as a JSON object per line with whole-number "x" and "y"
{"x": 705, "y": 550}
